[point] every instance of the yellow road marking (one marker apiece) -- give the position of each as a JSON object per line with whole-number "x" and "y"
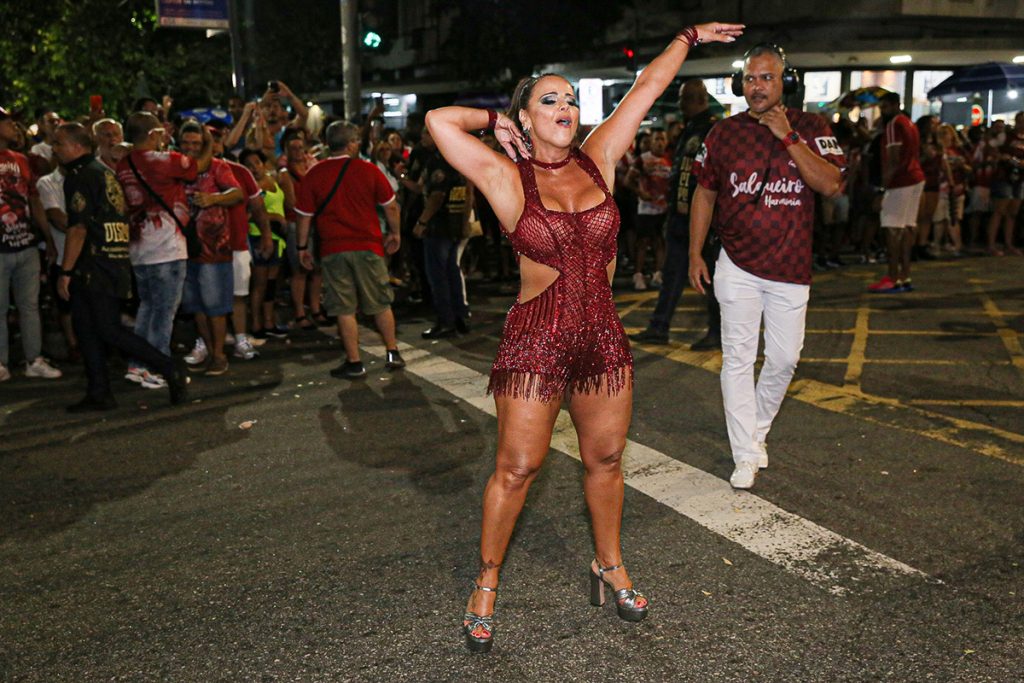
{"x": 966, "y": 403}
{"x": 1006, "y": 333}
{"x": 855, "y": 361}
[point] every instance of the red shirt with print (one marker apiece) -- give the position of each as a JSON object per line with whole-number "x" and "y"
{"x": 764, "y": 212}
{"x": 155, "y": 235}
{"x": 902, "y": 138}
{"x": 349, "y": 221}
{"x": 17, "y": 185}
{"x": 238, "y": 214}
{"x": 213, "y": 223}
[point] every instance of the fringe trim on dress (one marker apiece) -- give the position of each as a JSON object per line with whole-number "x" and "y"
{"x": 546, "y": 388}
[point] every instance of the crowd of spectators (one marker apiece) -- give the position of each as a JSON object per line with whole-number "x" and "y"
{"x": 234, "y": 182}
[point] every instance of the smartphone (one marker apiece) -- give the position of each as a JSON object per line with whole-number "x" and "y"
{"x": 95, "y": 102}
{"x": 273, "y": 86}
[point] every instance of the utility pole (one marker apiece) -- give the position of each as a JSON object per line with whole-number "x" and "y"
{"x": 350, "y": 67}
{"x": 235, "y": 32}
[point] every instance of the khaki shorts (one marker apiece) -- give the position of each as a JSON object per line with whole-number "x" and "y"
{"x": 356, "y": 280}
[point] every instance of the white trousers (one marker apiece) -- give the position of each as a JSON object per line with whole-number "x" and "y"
{"x": 743, "y": 298}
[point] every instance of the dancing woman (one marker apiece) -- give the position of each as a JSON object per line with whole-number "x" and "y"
{"x": 562, "y": 338}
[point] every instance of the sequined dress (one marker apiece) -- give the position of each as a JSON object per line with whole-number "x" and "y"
{"x": 569, "y": 338}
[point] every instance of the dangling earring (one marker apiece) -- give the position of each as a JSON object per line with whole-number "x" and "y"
{"x": 527, "y": 139}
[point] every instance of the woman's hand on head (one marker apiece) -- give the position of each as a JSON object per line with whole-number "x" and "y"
{"x": 508, "y": 135}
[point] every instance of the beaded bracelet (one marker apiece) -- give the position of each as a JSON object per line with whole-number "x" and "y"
{"x": 492, "y": 119}
{"x": 689, "y": 36}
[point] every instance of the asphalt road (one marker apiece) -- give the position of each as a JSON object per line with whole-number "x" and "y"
{"x": 335, "y": 538}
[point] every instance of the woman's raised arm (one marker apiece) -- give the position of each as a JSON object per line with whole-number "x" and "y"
{"x": 493, "y": 174}
{"x": 609, "y": 141}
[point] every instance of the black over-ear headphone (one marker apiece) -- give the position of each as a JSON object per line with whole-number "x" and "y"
{"x": 790, "y": 77}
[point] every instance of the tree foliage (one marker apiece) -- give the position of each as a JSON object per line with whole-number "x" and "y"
{"x": 67, "y": 50}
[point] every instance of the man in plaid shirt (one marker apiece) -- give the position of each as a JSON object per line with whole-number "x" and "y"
{"x": 757, "y": 176}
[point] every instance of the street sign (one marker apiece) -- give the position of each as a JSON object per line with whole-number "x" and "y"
{"x": 977, "y": 115}
{"x": 193, "y": 13}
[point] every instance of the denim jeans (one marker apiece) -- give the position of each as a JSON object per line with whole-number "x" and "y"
{"x": 19, "y": 271}
{"x": 160, "y": 286}
{"x": 441, "y": 261}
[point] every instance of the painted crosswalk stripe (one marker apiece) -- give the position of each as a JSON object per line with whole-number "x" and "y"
{"x": 809, "y": 550}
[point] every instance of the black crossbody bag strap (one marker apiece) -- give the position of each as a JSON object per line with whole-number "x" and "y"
{"x": 154, "y": 195}
{"x": 330, "y": 195}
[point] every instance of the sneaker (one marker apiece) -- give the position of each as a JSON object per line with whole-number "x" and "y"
{"x": 151, "y": 380}
{"x": 5, "y": 374}
{"x": 349, "y": 370}
{"x": 743, "y": 476}
{"x": 656, "y": 279}
{"x": 639, "y": 284}
{"x": 903, "y": 286}
{"x": 882, "y": 286}
{"x": 762, "y": 460}
{"x": 41, "y": 369}
{"x": 394, "y": 360}
{"x": 230, "y": 339}
{"x": 277, "y": 331}
{"x": 217, "y": 367}
{"x": 259, "y": 337}
{"x": 244, "y": 348}
{"x": 650, "y": 336}
{"x": 198, "y": 354}
{"x": 134, "y": 374}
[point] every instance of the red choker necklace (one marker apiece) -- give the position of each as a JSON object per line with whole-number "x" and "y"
{"x": 553, "y": 165}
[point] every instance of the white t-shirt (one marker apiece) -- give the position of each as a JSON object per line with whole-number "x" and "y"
{"x": 51, "y": 195}
{"x": 42, "y": 149}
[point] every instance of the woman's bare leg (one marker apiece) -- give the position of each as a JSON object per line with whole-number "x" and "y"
{"x": 524, "y": 438}
{"x": 602, "y": 422}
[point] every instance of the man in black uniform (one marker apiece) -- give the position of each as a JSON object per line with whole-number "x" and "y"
{"x": 96, "y": 273}
{"x": 693, "y": 103}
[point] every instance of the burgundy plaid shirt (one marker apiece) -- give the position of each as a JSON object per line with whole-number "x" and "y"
{"x": 764, "y": 212}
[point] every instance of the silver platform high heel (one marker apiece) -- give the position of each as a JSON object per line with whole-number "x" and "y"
{"x": 479, "y": 630}
{"x": 631, "y": 604}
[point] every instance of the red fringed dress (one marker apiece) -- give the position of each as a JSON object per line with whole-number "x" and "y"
{"x": 568, "y": 339}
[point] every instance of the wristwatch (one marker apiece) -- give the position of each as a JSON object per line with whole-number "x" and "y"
{"x": 67, "y": 273}
{"x": 301, "y": 247}
{"x": 791, "y": 139}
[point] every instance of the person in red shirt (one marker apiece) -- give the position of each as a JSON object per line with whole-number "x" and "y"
{"x": 903, "y": 180}
{"x": 19, "y": 259}
{"x": 648, "y": 178}
{"x": 758, "y": 173}
{"x": 342, "y": 194}
{"x": 209, "y": 281}
{"x": 154, "y": 186}
{"x": 1007, "y": 190}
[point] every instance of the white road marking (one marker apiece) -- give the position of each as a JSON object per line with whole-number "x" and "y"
{"x": 820, "y": 556}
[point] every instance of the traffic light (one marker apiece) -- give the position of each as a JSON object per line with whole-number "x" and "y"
{"x": 371, "y": 39}
{"x": 630, "y": 54}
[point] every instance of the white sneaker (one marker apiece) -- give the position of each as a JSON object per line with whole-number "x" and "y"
{"x": 229, "y": 339}
{"x": 244, "y": 348}
{"x": 639, "y": 284}
{"x": 5, "y": 374}
{"x": 762, "y": 460}
{"x": 656, "y": 279}
{"x": 152, "y": 381}
{"x": 41, "y": 369}
{"x": 198, "y": 354}
{"x": 743, "y": 476}
{"x": 134, "y": 374}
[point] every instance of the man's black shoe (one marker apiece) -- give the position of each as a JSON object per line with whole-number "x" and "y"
{"x": 650, "y": 336}
{"x": 462, "y": 325}
{"x": 438, "y": 332}
{"x": 349, "y": 370}
{"x": 394, "y": 360}
{"x": 177, "y": 383}
{"x": 90, "y": 404}
{"x": 709, "y": 342}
